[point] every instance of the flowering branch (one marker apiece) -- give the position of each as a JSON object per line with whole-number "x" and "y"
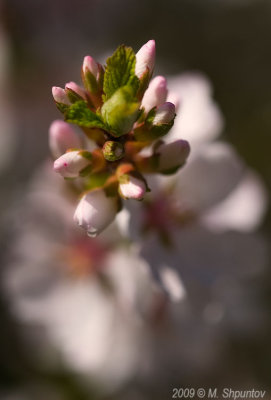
{"x": 122, "y": 111}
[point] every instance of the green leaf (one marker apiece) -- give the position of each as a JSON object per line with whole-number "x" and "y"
{"x": 79, "y": 114}
{"x": 120, "y": 71}
{"x": 73, "y": 96}
{"x": 121, "y": 111}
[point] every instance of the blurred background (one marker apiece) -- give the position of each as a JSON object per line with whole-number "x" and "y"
{"x": 42, "y": 43}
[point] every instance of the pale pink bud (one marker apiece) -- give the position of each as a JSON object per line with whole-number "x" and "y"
{"x": 173, "y": 155}
{"x": 70, "y": 164}
{"x": 156, "y": 93}
{"x": 90, "y": 64}
{"x": 60, "y": 96}
{"x": 164, "y": 114}
{"x": 174, "y": 98}
{"x": 95, "y": 211}
{"x": 132, "y": 188}
{"x": 62, "y": 137}
{"x": 76, "y": 88}
{"x": 145, "y": 58}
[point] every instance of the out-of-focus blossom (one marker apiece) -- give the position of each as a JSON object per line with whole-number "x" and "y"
{"x": 216, "y": 192}
{"x": 87, "y": 299}
{"x": 172, "y": 155}
{"x": 199, "y": 118}
{"x": 104, "y": 307}
{"x": 196, "y": 234}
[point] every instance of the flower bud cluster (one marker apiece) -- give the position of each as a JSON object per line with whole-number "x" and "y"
{"x": 120, "y": 110}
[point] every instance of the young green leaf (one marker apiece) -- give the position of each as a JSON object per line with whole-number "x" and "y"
{"x": 121, "y": 111}
{"x": 79, "y": 114}
{"x": 120, "y": 71}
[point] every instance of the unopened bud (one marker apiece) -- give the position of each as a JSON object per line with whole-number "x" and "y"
{"x": 156, "y": 93}
{"x": 131, "y": 187}
{"x": 173, "y": 155}
{"x": 164, "y": 114}
{"x": 95, "y": 211}
{"x": 62, "y": 137}
{"x": 60, "y": 96}
{"x": 90, "y": 65}
{"x": 74, "y": 91}
{"x": 70, "y": 164}
{"x": 113, "y": 151}
{"x": 92, "y": 77}
{"x": 145, "y": 58}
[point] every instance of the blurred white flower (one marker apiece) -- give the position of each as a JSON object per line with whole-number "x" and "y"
{"x": 78, "y": 297}
{"x": 95, "y": 300}
{"x": 195, "y": 233}
{"x": 199, "y": 119}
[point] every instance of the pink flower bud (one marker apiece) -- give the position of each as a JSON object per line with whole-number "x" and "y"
{"x": 131, "y": 187}
{"x": 76, "y": 88}
{"x": 70, "y": 164}
{"x": 164, "y": 114}
{"x": 145, "y": 58}
{"x": 95, "y": 211}
{"x": 62, "y": 137}
{"x": 60, "y": 96}
{"x": 156, "y": 93}
{"x": 89, "y": 64}
{"x": 173, "y": 155}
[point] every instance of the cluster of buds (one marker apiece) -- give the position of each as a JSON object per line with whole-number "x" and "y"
{"x": 121, "y": 111}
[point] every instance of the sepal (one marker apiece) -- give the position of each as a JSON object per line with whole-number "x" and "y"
{"x": 92, "y": 76}
{"x": 75, "y": 92}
